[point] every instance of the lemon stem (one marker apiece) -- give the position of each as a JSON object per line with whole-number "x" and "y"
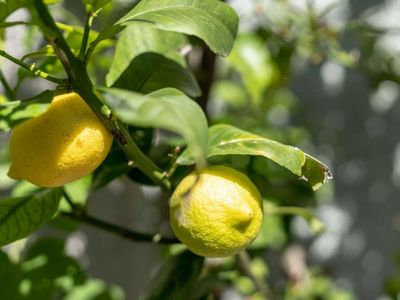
{"x": 315, "y": 224}
{"x": 261, "y": 285}
{"x": 32, "y": 68}
{"x": 81, "y": 83}
{"x": 9, "y": 91}
{"x": 15, "y": 23}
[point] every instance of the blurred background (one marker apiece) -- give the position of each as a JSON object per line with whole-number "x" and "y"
{"x": 322, "y": 75}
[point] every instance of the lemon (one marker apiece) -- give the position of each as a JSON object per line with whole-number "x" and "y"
{"x": 216, "y": 212}
{"x": 63, "y": 144}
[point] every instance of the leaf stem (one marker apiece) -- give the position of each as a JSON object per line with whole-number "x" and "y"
{"x": 315, "y": 224}
{"x": 9, "y": 91}
{"x": 119, "y": 230}
{"x": 31, "y": 68}
{"x": 80, "y": 81}
{"x": 245, "y": 264}
{"x": 15, "y": 23}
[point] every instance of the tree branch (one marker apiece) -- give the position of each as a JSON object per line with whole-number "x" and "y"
{"x": 8, "y": 90}
{"x": 205, "y": 77}
{"x": 31, "y": 68}
{"x": 119, "y": 230}
{"x": 80, "y": 81}
{"x": 78, "y": 213}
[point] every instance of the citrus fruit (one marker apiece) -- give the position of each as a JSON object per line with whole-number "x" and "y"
{"x": 63, "y": 144}
{"x": 216, "y": 212}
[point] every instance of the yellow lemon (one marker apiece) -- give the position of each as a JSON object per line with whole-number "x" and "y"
{"x": 63, "y": 144}
{"x": 216, "y": 212}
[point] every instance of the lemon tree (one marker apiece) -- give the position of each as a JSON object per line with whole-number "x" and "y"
{"x": 141, "y": 113}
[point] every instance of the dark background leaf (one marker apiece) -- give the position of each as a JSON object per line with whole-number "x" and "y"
{"x": 175, "y": 278}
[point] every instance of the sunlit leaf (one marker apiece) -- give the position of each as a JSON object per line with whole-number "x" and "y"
{"x": 147, "y": 59}
{"x": 229, "y": 140}
{"x": 211, "y": 20}
{"x": 167, "y": 109}
{"x": 21, "y": 216}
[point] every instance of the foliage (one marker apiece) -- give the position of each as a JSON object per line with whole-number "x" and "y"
{"x": 181, "y": 72}
{"x": 46, "y": 272}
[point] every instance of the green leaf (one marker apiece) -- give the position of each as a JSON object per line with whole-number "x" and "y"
{"x": 175, "y": 278}
{"x": 250, "y": 57}
{"x": 147, "y": 59}
{"x": 151, "y": 71}
{"x": 140, "y": 38}
{"x": 14, "y": 112}
{"x": 9, "y": 6}
{"x": 229, "y": 140}
{"x": 210, "y": 20}
{"x": 167, "y": 109}
{"x": 105, "y": 34}
{"x": 94, "y": 5}
{"x": 21, "y": 216}
{"x": 95, "y": 289}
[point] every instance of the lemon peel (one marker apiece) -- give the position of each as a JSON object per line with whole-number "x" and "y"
{"x": 216, "y": 212}
{"x": 63, "y": 144}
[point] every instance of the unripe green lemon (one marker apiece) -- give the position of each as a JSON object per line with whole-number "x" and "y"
{"x": 216, "y": 212}
{"x": 63, "y": 144}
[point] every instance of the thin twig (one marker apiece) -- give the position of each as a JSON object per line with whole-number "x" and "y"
{"x": 32, "y": 68}
{"x": 9, "y": 91}
{"x": 79, "y": 214}
{"x": 119, "y": 230}
{"x": 15, "y": 23}
{"x": 245, "y": 264}
{"x": 71, "y": 203}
